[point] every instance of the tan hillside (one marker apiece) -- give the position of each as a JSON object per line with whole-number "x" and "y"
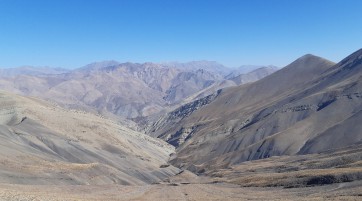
{"x": 45, "y": 144}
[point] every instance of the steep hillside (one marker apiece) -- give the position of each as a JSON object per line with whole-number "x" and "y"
{"x": 160, "y": 124}
{"x": 162, "y": 128}
{"x": 237, "y": 99}
{"x": 310, "y": 106}
{"x": 45, "y": 144}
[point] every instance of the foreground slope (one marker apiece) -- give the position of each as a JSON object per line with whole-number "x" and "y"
{"x": 348, "y": 191}
{"x": 312, "y": 105}
{"x": 45, "y": 144}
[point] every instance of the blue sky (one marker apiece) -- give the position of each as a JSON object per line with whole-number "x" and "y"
{"x": 72, "y": 33}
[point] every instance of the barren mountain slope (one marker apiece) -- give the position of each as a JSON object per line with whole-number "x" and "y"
{"x": 293, "y": 111}
{"x": 188, "y": 83}
{"x": 45, "y": 144}
{"x": 307, "y": 107}
{"x": 240, "y": 79}
{"x": 158, "y": 125}
{"x": 115, "y": 91}
{"x": 233, "y": 105}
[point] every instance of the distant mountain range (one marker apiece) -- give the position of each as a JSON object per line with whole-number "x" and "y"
{"x": 30, "y": 70}
{"x": 126, "y": 90}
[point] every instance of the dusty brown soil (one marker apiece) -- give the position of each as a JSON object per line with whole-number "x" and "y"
{"x": 178, "y": 191}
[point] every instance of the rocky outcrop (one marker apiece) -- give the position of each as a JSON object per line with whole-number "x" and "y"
{"x": 160, "y": 128}
{"x": 187, "y": 109}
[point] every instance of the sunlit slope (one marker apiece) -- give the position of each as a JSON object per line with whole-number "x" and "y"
{"x": 45, "y": 144}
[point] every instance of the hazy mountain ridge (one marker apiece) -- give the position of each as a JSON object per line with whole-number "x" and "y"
{"x": 128, "y": 90}
{"x": 254, "y": 75}
{"x": 246, "y": 69}
{"x": 211, "y": 66}
{"x": 32, "y": 71}
{"x": 188, "y": 83}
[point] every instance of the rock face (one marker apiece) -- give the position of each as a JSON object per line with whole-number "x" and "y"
{"x": 161, "y": 128}
{"x": 43, "y": 144}
{"x": 127, "y": 90}
{"x": 310, "y": 106}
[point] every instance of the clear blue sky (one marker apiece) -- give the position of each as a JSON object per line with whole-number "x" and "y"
{"x": 72, "y": 33}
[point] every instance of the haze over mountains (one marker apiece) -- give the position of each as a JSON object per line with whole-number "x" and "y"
{"x": 30, "y": 70}
{"x": 127, "y": 90}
